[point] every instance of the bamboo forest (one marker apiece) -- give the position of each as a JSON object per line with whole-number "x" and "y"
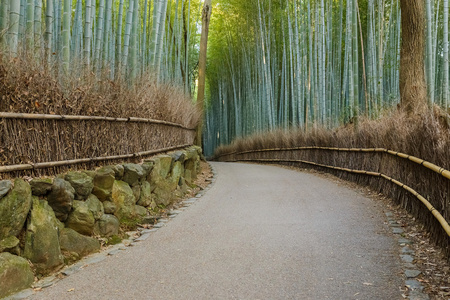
{"x": 113, "y": 38}
{"x": 271, "y": 63}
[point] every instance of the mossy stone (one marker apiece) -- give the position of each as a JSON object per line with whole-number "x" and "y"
{"x": 178, "y": 156}
{"x": 74, "y": 242}
{"x": 145, "y": 195}
{"x": 132, "y": 173}
{"x": 147, "y": 167}
{"x": 9, "y": 244}
{"x": 109, "y": 207}
{"x": 15, "y": 274}
{"x": 107, "y": 226}
{"x": 136, "y": 191}
{"x": 123, "y": 198}
{"x": 81, "y": 182}
{"x": 103, "y": 183}
{"x": 61, "y": 198}
{"x": 41, "y": 187}
{"x": 81, "y": 218}
{"x": 42, "y": 238}
{"x": 175, "y": 174}
{"x": 140, "y": 211}
{"x": 14, "y": 208}
{"x": 95, "y": 206}
{"x": 5, "y": 187}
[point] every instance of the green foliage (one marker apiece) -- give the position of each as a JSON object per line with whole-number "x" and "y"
{"x": 107, "y": 36}
{"x": 289, "y": 63}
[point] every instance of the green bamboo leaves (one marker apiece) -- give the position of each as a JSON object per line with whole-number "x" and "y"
{"x": 301, "y": 63}
{"x": 113, "y": 38}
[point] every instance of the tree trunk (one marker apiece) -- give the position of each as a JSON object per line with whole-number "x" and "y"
{"x": 413, "y": 91}
{"x": 206, "y": 15}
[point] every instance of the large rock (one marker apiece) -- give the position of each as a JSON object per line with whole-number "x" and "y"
{"x": 193, "y": 152}
{"x": 162, "y": 188}
{"x": 175, "y": 174}
{"x": 10, "y": 244}
{"x": 107, "y": 226}
{"x": 95, "y": 206}
{"x": 123, "y": 198}
{"x": 41, "y": 187}
{"x": 109, "y": 207}
{"x": 5, "y": 187}
{"x": 42, "y": 238}
{"x": 15, "y": 274}
{"x": 74, "y": 242}
{"x": 146, "y": 195}
{"x": 162, "y": 167}
{"x": 140, "y": 211}
{"x": 178, "y": 156}
{"x": 192, "y": 164}
{"x": 14, "y": 209}
{"x": 163, "y": 193}
{"x": 147, "y": 166}
{"x": 81, "y": 182}
{"x": 132, "y": 173}
{"x": 81, "y": 218}
{"x": 117, "y": 169}
{"x": 136, "y": 191}
{"x": 191, "y": 168}
{"x": 103, "y": 183}
{"x": 61, "y": 198}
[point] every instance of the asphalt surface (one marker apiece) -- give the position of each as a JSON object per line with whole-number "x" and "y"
{"x": 261, "y": 232}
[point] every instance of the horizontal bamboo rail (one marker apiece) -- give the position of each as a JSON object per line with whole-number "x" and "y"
{"x": 445, "y": 225}
{"x": 6, "y": 115}
{"x": 445, "y": 173}
{"x": 44, "y": 165}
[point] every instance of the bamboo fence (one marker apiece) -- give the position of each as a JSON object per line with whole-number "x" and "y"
{"x": 39, "y": 144}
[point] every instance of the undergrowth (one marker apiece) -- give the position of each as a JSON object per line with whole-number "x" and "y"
{"x": 28, "y": 86}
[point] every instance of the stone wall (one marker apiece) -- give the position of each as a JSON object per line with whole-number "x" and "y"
{"x": 47, "y": 223}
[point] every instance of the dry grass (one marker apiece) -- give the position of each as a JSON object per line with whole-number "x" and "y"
{"x": 27, "y": 86}
{"x": 426, "y": 136}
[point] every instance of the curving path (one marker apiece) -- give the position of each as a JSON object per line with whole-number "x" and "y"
{"x": 261, "y": 232}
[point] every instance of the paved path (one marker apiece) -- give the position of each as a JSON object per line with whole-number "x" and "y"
{"x": 261, "y": 232}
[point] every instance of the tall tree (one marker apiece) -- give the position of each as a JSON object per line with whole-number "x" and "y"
{"x": 206, "y": 16}
{"x": 413, "y": 89}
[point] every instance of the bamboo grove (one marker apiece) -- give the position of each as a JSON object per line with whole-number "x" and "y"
{"x": 114, "y": 38}
{"x": 295, "y": 63}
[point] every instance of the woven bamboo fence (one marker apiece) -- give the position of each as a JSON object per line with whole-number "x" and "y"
{"x": 37, "y": 144}
{"x": 421, "y": 187}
